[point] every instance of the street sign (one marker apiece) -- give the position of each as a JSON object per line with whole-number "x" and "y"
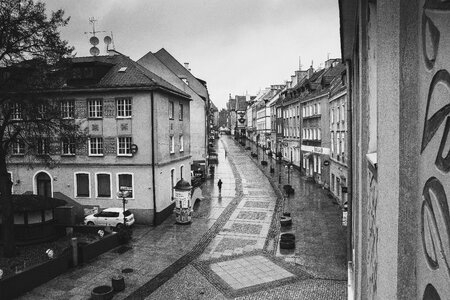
{"x": 125, "y": 188}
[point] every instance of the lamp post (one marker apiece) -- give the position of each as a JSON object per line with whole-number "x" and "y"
{"x": 124, "y": 192}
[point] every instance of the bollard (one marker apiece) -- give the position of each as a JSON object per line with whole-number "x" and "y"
{"x": 74, "y": 244}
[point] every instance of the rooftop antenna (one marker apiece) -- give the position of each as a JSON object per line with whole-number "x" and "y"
{"x": 93, "y": 40}
{"x": 328, "y": 55}
{"x": 299, "y": 63}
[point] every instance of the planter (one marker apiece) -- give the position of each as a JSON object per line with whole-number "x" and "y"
{"x": 118, "y": 283}
{"x": 285, "y": 221}
{"x": 102, "y": 292}
{"x": 287, "y": 241}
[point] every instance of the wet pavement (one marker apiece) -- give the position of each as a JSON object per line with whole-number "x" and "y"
{"x": 231, "y": 248}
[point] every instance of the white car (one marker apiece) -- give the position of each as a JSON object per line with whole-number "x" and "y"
{"x": 110, "y": 217}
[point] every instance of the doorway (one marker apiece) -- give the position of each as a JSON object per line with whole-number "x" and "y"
{"x": 43, "y": 184}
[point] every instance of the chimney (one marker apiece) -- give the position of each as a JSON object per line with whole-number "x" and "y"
{"x": 310, "y": 72}
{"x": 186, "y": 65}
{"x": 294, "y": 80}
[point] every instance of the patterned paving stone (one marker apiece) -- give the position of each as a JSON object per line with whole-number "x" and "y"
{"x": 255, "y": 204}
{"x": 246, "y": 228}
{"x": 251, "y": 215}
{"x": 249, "y": 271}
{"x": 231, "y": 244}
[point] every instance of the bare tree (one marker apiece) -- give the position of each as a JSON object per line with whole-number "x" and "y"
{"x": 34, "y": 64}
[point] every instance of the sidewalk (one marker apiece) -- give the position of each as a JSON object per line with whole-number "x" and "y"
{"x": 320, "y": 237}
{"x": 153, "y": 249}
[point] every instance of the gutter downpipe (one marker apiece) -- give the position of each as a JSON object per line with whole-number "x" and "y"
{"x": 351, "y": 284}
{"x": 153, "y": 158}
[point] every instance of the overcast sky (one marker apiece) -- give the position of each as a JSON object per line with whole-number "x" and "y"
{"x": 237, "y": 46}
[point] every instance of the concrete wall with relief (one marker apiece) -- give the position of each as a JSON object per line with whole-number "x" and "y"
{"x": 433, "y": 251}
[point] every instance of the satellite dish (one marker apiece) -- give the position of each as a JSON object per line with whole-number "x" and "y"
{"x": 94, "y": 40}
{"x": 107, "y": 40}
{"x": 94, "y": 51}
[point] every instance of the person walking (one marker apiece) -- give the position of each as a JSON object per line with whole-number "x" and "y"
{"x": 219, "y": 184}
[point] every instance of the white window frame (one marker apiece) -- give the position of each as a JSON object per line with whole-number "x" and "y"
{"x": 68, "y": 109}
{"x": 124, "y": 107}
{"x": 171, "y": 110}
{"x": 110, "y": 185}
{"x": 332, "y": 116}
{"x": 17, "y": 111}
{"x": 43, "y": 146}
{"x": 132, "y": 182}
{"x": 181, "y": 172}
{"x": 90, "y": 149}
{"x": 181, "y": 140}
{"x": 75, "y": 186}
{"x": 318, "y": 108}
{"x": 69, "y": 153}
{"x": 171, "y": 144}
{"x": 127, "y": 138}
{"x": 338, "y": 114}
{"x": 17, "y": 146}
{"x": 343, "y": 113}
{"x": 95, "y": 108}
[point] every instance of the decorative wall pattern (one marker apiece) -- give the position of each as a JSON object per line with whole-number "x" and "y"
{"x": 433, "y": 270}
{"x": 372, "y": 246}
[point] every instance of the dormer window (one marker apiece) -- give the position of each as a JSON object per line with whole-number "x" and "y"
{"x": 122, "y": 69}
{"x": 185, "y": 81}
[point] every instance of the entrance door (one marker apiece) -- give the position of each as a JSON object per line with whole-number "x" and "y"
{"x": 44, "y": 186}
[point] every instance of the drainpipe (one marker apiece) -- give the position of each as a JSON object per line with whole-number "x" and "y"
{"x": 350, "y": 174}
{"x": 153, "y": 158}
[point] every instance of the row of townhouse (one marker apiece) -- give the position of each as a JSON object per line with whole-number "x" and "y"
{"x": 303, "y": 122}
{"x": 137, "y": 116}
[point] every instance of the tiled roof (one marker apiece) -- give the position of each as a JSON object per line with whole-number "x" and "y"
{"x": 166, "y": 58}
{"x": 134, "y": 75}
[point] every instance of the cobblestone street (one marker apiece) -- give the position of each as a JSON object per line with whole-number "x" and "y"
{"x": 231, "y": 248}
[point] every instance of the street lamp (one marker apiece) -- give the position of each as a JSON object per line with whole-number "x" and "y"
{"x": 124, "y": 192}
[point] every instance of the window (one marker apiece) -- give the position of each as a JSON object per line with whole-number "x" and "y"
{"x": 42, "y": 110}
{"x": 67, "y": 146}
{"x": 172, "y": 182}
{"x": 338, "y": 116}
{"x": 181, "y": 112}
{"x": 67, "y": 109}
{"x": 124, "y": 146}
{"x": 96, "y": 146}
{"x": 171, "y": 144}
{"x": 332, "y": 182}
{"x": 125, "y": 180}
{"x": 95, "y": 108}
{"x": 18, "y": 148}
{"x": 181, "y": 143}
{"x": 171, "y": 110}
{"x": 318, "y": 108}
{"x": 124, "y": 108}
{"x": 332, "y": 115}
{"x": 103, "y": 185}
{"x": 319, "y": 165}
{"x": 17, "y": 111}
{"x": 332, "y": 143}
{"x": 43, "y": 146}
{"x": 181, "y": 171}
{"x": 82, "y": 185}
{"x": 319, "y": 133}
{"x": 343, "y": 113}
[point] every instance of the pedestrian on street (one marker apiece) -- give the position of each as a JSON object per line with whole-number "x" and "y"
{"x": 219, "y": 184}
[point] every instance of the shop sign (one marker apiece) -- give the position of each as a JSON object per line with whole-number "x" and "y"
{"x": 344, "y": 218}
{"x": 318, "y": 149}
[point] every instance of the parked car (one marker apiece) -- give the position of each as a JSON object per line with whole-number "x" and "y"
{"x": 110, "y": 217}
